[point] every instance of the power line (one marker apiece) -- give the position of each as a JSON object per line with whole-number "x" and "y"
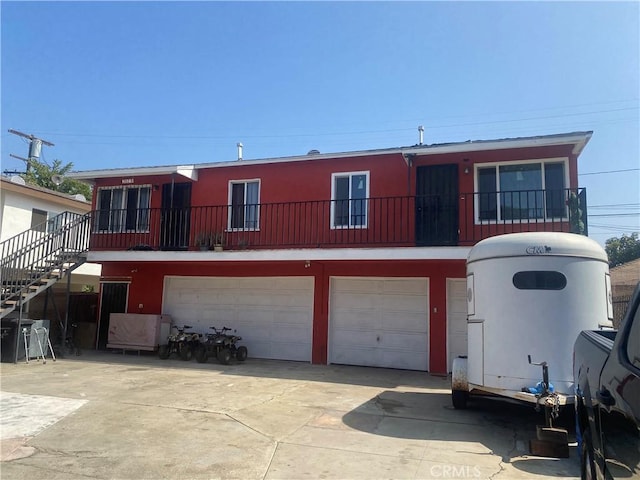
{"x": 316, "y": 134}
{"x": 610, "y": 171}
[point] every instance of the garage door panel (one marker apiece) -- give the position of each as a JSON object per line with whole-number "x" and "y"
{"x": 410, "y": 342}
{"x": 379, "y": 322}
{"x": 273, "y": 315}
{"x": 403, "y": 359}
{"x": 403, "y": 321}
{"x": 404, "y": 286}
{"x": 347, "y": 318}
{"x": 354, "y": 356}
{"x": 355, "y": 339}
{"x": 404, "y": 303}
{"x": 456, "y": 319}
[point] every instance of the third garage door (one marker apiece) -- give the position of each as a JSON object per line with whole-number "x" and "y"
{"x": 379, "y": 322}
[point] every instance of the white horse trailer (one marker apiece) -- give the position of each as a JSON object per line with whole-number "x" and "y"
{"x": 529, "y": 295}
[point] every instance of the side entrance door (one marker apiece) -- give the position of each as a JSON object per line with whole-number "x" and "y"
{"x": 437, "y": 205}
{"x": 113, "y": 299}
{"x": 175, "y": 217}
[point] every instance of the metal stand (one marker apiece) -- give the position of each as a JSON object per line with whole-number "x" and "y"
{"x": 36, "y": 332}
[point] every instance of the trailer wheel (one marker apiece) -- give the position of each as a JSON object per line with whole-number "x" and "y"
{"x": 459, "y": 399}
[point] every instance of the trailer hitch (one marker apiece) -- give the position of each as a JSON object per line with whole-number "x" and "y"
{"x": 550, "y": 441}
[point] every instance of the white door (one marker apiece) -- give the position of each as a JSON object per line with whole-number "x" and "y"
{"x": 456, "y": 319}
{"x": 273, "y": 315}
{"x": 379, "y": 322}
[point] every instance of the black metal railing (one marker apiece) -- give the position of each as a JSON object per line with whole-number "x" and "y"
{"x": 463, "y": 219}
{"x": 55, "y": 245}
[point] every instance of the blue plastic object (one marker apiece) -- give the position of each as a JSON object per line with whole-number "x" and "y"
{"x": 538, "y": 388}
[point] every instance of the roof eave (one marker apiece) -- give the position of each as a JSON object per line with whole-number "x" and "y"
{"x": 577, "y": 139}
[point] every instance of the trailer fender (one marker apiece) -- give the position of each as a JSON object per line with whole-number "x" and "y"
{"x": 459, "y": 379}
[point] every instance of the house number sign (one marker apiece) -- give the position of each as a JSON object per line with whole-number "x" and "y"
{"x": 127, "y": 181}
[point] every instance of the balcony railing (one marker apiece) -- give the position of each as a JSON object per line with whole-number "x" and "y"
{"x": 430, "y": 220}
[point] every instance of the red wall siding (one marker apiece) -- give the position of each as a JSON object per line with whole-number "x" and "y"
{"x": 147, "y": 281}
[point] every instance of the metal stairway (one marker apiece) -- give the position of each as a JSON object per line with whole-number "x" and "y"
{"x": 36, "y": 259}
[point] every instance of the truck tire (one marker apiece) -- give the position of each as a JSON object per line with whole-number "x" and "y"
{"x": 588, "y": 467}
{"x": 459, "y": 399}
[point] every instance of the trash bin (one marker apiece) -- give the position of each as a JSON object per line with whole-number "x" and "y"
{"x": 11, "y": 329}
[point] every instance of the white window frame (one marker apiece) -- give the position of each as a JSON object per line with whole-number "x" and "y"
{"x": 350, "y": 175}
{"x": 497, "y": 165}
{"x": 122, "y": 210}
{"x": 244, "y": 182}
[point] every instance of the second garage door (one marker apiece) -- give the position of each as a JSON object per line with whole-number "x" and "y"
{"x": 274, "y": 315}
{"x": 379, "y": 322}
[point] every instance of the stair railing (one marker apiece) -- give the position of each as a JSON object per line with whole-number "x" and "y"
{"x": 35, "y": 253}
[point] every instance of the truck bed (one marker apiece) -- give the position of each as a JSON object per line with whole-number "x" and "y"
{"x": 602, "y": 339}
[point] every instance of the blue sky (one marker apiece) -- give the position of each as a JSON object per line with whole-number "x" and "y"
{"x": 128, "y": 84}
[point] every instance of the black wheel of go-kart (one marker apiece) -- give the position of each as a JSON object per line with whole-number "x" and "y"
{"x": 201, "y": 354}
{"x": 588, "y": 467}
{"x": 459, "y": 399}
{"x": 163, "y": 352}
{"x": 241, "y": 353}
{"x": 224, "y": 356}
{"x": 185, "y": 352}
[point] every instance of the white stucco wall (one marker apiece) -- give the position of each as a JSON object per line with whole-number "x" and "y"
{"x": 17, "y": 203}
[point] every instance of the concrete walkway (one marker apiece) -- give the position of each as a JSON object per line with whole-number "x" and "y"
{"x": 113, "y": 416}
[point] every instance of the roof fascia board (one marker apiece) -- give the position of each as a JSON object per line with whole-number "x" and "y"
{"x": 578, "y": 139}
{"x": 42, "y": 194}
{"x": 303, "y": 255}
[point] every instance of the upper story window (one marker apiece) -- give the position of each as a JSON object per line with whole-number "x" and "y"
{"x": 38, "y": 220}
{"x": 123, "y": 209}
{"x": 45, "y": 222}
{"x": 521, "y": 191}
{"x": 244, "y": 200}
{"x": 349, "y": 194}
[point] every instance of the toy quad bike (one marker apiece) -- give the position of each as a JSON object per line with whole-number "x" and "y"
{"x": 181, "y": 342}
{"x": 222, "y": 346}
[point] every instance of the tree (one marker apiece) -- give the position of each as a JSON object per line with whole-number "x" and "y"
{"x": 622, "y": 250}
{"x": 41, "y": 174}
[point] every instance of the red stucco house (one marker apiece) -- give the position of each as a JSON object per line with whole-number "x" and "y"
{"x": 351, "y": 258}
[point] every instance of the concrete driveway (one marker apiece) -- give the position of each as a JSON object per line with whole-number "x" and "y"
{"x": 113, "y": 416}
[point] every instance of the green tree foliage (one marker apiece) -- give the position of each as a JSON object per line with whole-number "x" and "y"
{"x": 41, "y": 174}
{"x": 622, "y": 250}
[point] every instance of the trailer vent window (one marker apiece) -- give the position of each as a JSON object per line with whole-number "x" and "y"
{"x": 539, "y": 280}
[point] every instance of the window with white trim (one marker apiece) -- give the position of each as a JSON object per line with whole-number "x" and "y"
{"x": 244, "y": 198}
{"x": 349, "y": 194}
{"x": 526, "y": 191}
{"x": 123, "y": 209}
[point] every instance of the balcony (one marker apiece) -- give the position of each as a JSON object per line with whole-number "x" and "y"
{"x": 454, "y": 220}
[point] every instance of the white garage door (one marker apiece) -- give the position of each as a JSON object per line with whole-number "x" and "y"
{"x": 273, "y": 315}
{"x": 456, "y": 319}
{"x": 379, "y": 322}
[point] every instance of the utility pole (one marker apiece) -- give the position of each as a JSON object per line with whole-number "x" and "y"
{"x": 35, "y": 147}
